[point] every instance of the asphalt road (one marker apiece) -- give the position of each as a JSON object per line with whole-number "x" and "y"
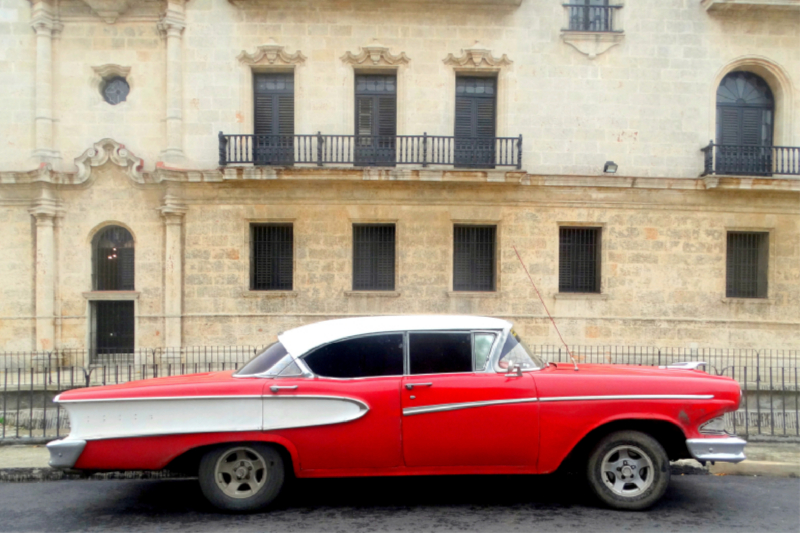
{"x": 487, "y": 503}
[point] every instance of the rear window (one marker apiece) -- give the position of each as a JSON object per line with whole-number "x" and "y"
{"x": 361, "y": 357}
{"x": 266, "y": 360}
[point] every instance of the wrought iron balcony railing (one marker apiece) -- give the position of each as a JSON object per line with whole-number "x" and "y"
{"x": 371, "y": 150}
{"x": 751, "y": 160}
{"x": 583, "y": 17}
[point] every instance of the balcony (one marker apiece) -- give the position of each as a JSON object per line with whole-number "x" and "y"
{"x": 750, "y": 160}
{"x": 371, "y": 150}
{"x": 584, "y": 17}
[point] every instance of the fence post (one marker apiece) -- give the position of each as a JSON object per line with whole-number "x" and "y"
{"x": 758, "y": 390}
{"x": 519, "y": 153}
{"x": 319, "y": 148}
{"x": 425, "y": 149}
{"x": 223, "y": 150}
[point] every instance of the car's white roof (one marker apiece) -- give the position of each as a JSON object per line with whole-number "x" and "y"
{"x": 299, "y": 341}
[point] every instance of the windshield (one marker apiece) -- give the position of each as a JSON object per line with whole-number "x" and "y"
{"x": 515, "y": 353}
{"x": 275, "y": 358}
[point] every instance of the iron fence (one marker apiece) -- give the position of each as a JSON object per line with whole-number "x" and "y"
{"x": 30, "y": 380}
{"x": 750, "y": 160}
{"x": 371, "y": 150}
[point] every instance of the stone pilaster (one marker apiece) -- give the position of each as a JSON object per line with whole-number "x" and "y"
{"x": 45, "y": 25}
{"x": 45, "y": 210}
{"x": 171, "y": 26}
{"x": 173, "y": 213}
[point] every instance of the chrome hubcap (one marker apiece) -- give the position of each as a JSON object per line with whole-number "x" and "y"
{"x": 627, "y": 470}
{"x": 241, "y": 472}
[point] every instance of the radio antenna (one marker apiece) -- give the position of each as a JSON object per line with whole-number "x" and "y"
{"x": 569, "y": 352}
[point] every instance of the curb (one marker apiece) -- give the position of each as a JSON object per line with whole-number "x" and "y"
{"x": 23, "y": 475}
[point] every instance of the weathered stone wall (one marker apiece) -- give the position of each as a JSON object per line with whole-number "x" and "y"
{"x": 17, "y": 275}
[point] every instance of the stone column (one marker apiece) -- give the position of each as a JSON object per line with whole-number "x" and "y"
{"x": 45, "y": 26}
{"x": 173, "y": 270}
{"x": 45, "y": 211}
{"x": 172, "y": 25}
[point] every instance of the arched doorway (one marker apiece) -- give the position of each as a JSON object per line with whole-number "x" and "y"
{"x": 745, "y": 112}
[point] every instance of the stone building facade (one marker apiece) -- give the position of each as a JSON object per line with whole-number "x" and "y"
{"x": 112, "y": 117}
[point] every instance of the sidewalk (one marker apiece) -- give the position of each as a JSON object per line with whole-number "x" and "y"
{"x": 773, "y": 458}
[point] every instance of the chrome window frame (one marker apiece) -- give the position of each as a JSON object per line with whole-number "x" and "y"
{"x": 499, "y": 348}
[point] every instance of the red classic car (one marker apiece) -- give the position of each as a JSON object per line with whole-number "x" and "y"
{"x": 395, "y": 396}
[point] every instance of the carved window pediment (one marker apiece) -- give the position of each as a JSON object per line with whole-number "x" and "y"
{"x": 375, "y": 54}
{"x": 477, "y": 56}
{"x": 271, "y": 53}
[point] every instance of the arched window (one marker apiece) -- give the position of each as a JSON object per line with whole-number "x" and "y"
{"x": 112, "y": 260}
{"x": 745, "y": 109}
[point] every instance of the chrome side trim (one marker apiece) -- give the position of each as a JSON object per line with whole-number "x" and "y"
{"x": 685, "y": 365}
{"x": 466, "y": 405}
{"x": 162, "y": 398}
{"x": 64, "y": 453}
{"x": 728, "y": 450}
{"x": 628, "y": 397}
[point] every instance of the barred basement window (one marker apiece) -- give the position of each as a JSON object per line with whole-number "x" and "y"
{"x": 474, "y": 258}
{"x": 747, "y": 263}
{"x": 112, "y": 260}
{"x": 579, "y": 260}
{"x": 271, "y": 257}
{"x": 373, "y": 257}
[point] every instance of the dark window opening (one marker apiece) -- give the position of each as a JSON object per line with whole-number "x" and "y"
{"x": 474, "y": 258}
{"x": 579, "y": 260}
{"x": 747, "y": 264}
{"x": 440, "y": 353}
{"x": 273, "y": 124}
{"x": 271, "y": 257}
{"x": 745, "y": 110}
{"x": 113, "y": 332}
{"x": 590, "y": 15}
{"x": 113, "y": 260}
{"x": 376, "y": 119}
{"x": 373, "y": 257}
{"x": 475, "y": 122}
{"x": 376, "y": 355}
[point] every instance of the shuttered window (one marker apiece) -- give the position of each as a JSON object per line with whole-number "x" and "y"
{"x": 475, "y": 122}
{"x": 376, "y": 119}
{"x": 747, "y": 264}
{"x": 273, "y": 124}
{"x": 474, "y": 258}
{"x": 579, "y": 260}
{"x": 373, "y": 257}
{"x": 271, "y": 257}
{"x": 113, "y": 260}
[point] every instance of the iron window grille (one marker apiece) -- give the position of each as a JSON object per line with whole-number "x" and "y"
{"x": 474, "y": 267}
{"x": 113, "y": 260}
{"x": 579, "y": 260}
{"x": 271, "y": 257}
{"x": 591, "y": 15}
{"x": 746, "y": 264}
{"x": 373, "y": 257}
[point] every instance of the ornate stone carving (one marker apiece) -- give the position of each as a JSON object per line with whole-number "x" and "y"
{"x": 110, "y": 71}
{"x": 271, "y": 53}
{"x": 104, "y": 150}
{"x": 591, "y": 44}
{"x": 375, "y": 54}
{"x": 477, "y": 56}
{"x": 108, "y": 10}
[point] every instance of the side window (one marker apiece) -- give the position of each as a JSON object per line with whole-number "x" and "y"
{"x": 439, "y": 353}
{"x": 377, "y": 355}
{"x": 482, "y": 346}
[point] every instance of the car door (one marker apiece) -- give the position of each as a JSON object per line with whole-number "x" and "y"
{"x": 456, "y": 414}
{"x": 364, "y": 371}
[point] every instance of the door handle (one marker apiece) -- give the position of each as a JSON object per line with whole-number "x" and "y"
{"x": 276, "y": 388}
{"x": 410, "y": 386}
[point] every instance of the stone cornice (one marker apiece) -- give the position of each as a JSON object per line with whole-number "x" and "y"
{"x": 477, "y": 56}
{"x": 375, "y": 54}
{"x": 271, "y": 53}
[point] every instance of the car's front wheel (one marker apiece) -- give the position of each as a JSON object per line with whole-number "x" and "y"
{"x": 628, "y": 470}
{"x": 241, "y": 477}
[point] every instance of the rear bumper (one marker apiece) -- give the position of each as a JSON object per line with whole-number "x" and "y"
{"x": 727, "y": 449}
{"x": 64, "y": 453}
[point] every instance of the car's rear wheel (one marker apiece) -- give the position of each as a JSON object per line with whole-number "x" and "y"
{"x": 628, "y": 470}
{"x": 241, "y": 477}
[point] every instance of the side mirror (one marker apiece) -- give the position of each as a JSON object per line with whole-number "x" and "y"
{"x": 514, "y": 371}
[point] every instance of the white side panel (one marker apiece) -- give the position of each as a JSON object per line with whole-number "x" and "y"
{"x": 104, "y": 420}
{"x": 108, "y": 419}
{"x": 297, "y": 412}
